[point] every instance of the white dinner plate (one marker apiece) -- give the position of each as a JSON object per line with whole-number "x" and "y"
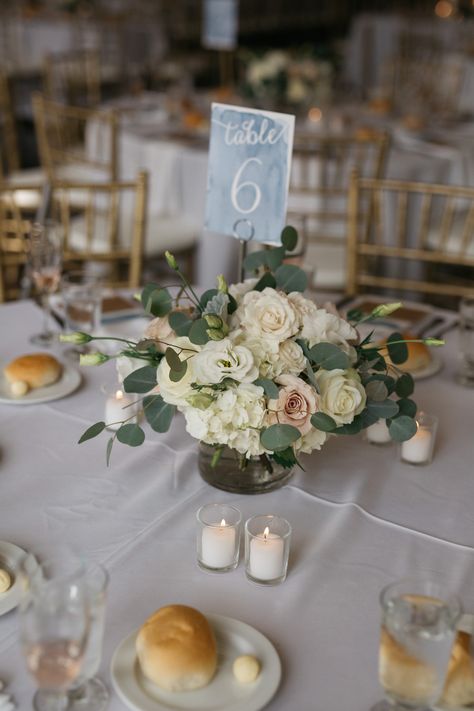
{"x": 223, "y": 693}
{"x": 10, "y": 556}
{"x": 433, "y": 367}
{"x": 68, "y": 382}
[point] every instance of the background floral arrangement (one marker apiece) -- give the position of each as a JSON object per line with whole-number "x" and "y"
{"x": 258, "y": 367}
{"x": 288, "y": 79}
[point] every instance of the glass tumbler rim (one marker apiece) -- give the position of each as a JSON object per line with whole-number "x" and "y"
{"x": 201, "y": 509}
{"x": 451, "y": 599}
{"x": 269, "y": 517}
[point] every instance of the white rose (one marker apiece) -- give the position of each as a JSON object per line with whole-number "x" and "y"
{"x": 341, "y": 394}
{"x": 266, "y": 314}
{"x": 222, "y": 359}
{"x": 314, "y": 439}
{"x": 302, "y": 305}
{"x": 175, "y": 393}
{"x": 241, "y": 288}
{"x": 324, "y": 327}
{"x": 291, "y": 357}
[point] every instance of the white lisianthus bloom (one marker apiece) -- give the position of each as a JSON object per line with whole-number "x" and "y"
{"x": 291, "y": 357}
{"x": 324, "y": 327}
{"x": 302, "y": 305}
{"x": 342, "y": 395}
{"x": 314, "y": 439}
{"x": 223, "y": 359}
{"x": 266, "y": 314}
{"x": 241, "y": 288}
{"x": 234, "y": 419}
{"x": 176, "y": 393}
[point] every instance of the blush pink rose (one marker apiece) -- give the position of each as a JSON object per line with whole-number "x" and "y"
{"x": 295, "y": 405}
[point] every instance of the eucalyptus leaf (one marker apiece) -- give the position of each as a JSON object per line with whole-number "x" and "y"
{"x": 108, "y": 451}
{"x": 180, "y": 322}
{"x": 289, "y": 238}
{"x": 402, "y": 428}
{"x": 376, "y": 390}
{"x": 289, "y": 278}
{"x": 398, "y": 352}
{"x": 286, "y": 458}
{"x": 405, "y": 385}
{"x": 141, "y": 380}
{"x": 266, "y": 280}
{"x": 329, "y": 356}
{"x": 232, "y": 305}
{"x": 385, "y": 409}
{"x": 207, "y": 296}
{"x": 92, "y": 431}
{"x": 407, "y": 407}
{"x": 274, "y": 257}
{"x": 158, "y": 413}
{"x": 176, "y": 375}
{"x": 198, "y": 332}
{"x": 255, "y": 260}
{"x": 158, "y": 302}
{"x": 271, "y": 390}
{"x": 387, "y": 380}
{"x": 131, "y": 434}
{"x": 323, "y": 422}
{"x": 351, "y": 428}
{"x": 278, "y": 437}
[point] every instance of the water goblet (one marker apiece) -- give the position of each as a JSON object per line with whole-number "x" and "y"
{"x": 88, "y": 692}
{"x": 82, "y": 297}
{"x": 419, "y": 618}
{"x": 44, "y": 258}
{"x": 54, "y": 624}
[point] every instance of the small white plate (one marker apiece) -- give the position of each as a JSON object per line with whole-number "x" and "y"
{"x": 223, "y": 693}
{"x": 433, "y": 367}
{"x": 10, "y": 557}
{"x": 68, "y": 382}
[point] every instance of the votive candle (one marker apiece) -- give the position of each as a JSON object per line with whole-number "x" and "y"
{"x": 267, "y": 545}
{"x": 419, "y": 448}
{"x": 218, "y": 537}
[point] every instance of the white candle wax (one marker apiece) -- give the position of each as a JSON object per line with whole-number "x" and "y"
{"x": 266, "y": 557}
{"x": 218, "y": 546}
{"x": 115, "y": 412}
{"x": 378, "y": 433}
{"x": 417, "y": 449}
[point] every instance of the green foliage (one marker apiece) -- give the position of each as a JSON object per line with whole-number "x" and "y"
{"x": 180, "y": 322}
{"x": 402, "y": 428}
{"x": 285, "y": 458}
{"x": 398, "y": 351}
{"x": 376, "y": 390}
{"x": 271, "y": 390}
{"x": 158, "y": 413}
{"x": 407, "y": 407}
{"x": 198, "y": 332}
{"x": 329, "y": 356}
{"x": 405, "y": 385}
{"x": 265, "y": 280}
{"x": 108, "y": 451}
{"x": 289, "y": 238}
{"x": 131, "y": 434}
{"x": 92, "y": 431}
{"x": 385, "y": 409}
{"x": 274, "y": 257}
{"x": 140, "y": 381}
{"x": 323, "y": 422}
{"x": 289, "y": 278}
{"x": 156, "y": 301}
{"x": 207, "y": 296}
{"x": 278, "y": 437}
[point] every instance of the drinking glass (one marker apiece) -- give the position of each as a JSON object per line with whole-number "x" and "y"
{"x": 419, "y": 618}
{"x": 88, "y": 692}
{"x": 465, "y": 375}
{"x": 82, "y": 298}
{"x": 44, "y": 258}
{"x": 54, "y": 625}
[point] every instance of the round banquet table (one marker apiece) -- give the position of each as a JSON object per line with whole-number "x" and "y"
{"x": 360, "y": 519}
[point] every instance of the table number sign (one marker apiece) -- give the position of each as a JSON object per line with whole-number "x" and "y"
{"x": 249, "y": 171}
{"x": 220, "y": 24}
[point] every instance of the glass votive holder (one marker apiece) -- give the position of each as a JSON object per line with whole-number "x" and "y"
{"x": 267, "y": 547}
{"x": 378, "y": 434}
{"x": 419, "y": 449}
{"x": 120, "y": 407}
{"x": 218, "y": 537}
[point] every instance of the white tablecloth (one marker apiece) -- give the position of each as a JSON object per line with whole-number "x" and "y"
{"x": 360, "y": 519}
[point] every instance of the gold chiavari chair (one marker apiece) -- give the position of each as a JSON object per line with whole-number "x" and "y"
{"x": 64, "y": 148}
{"x": 73, "y": 77}
{"x": 9, "y": 143}
{"x": 317, "y": 204}
{"x": 407, "y": 236}
{"x": 108, "y": 231}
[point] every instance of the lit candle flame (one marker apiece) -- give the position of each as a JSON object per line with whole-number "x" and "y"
{"x": 223, "y": 523}
{"x": 118, "y": 395}
{"x": 266, "y": 532}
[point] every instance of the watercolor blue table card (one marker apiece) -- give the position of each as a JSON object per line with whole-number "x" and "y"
{"x": 220, "y": 24}
{"x": 249, "y": 171}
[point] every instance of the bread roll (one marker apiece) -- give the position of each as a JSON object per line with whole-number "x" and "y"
{"x": 419, "y": 356}
{"x": 459, "y": 685}
{"x": 403, "y": 675}
{"x": 36, "y": 370}
{"x": 176, "y": 649}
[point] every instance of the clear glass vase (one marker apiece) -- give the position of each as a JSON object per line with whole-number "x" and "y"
{"x": 229, "y": 475}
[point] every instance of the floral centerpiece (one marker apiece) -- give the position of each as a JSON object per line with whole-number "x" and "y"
{"x": 288, "y": 79}
{"x": 257, "y": 368}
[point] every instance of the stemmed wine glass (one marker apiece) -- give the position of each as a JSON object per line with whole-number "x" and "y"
{"x": 419, "y": 618}
{"x": 44, "y": 258}
{"x": 54, "y": 626}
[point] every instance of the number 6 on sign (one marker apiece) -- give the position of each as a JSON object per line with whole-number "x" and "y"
{"x": 248, "y": 175}
{"x": 237, "y": 187}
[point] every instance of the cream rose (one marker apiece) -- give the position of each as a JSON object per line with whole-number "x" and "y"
{"x": 176, "y": 393}
{"x": 302, "y": 305}
{"x": 342, "y": 395}
{"x": 324, "y": 327}
{"x": 266, "y": 314}
{"x": 241, "y": 288}
{"x": 222, "y": 359}
{"x": 291, "y": 358}
{"x": 295, "y": 405}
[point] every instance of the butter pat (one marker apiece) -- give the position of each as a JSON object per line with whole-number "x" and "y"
{"x": 18, "y": 388}
{"x": 5, "y": 581}
{"x": 246, "y": 668}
